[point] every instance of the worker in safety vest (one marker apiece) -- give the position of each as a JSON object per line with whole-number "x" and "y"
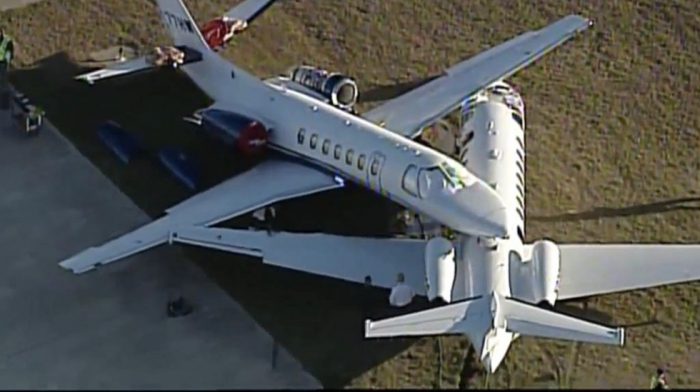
{"x": 6, "y": 54}
{"x": 6, "y": 48}
{"x": 658, "y": 381}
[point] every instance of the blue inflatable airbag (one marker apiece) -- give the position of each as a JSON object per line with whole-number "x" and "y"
{"x": 123, "y": 144}
{"x": 181, "y": 166}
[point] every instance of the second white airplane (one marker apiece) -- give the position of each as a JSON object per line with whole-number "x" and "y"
{"x": 303, "y": 117}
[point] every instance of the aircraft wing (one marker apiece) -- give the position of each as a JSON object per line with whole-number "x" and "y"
{"x": 591, "y": 269}
{"x": 249, "y": 10}
{"x": 270, "y": 182}
{"x": 340, "y": 257}
{"x": 412, "y": 111}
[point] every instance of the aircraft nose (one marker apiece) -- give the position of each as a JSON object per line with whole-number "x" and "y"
{"x": 482, "y": 211}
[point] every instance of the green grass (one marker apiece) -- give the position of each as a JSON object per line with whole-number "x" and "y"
{"x": 613, "y": 126}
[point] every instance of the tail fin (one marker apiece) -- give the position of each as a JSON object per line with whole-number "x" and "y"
{"x": 180, "y": 24}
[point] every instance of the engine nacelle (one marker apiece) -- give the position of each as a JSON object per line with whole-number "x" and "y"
{"x": 440, "y": 269}
{"x": 247, "y": 135}
{"x": 545, "y": 271}
{"x": 341, "y": 90}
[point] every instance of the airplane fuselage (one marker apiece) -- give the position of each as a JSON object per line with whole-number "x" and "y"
{"x": 408, "y": 173}
{"x": 491, "y": 145}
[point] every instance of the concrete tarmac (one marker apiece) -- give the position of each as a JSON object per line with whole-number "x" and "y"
{"x": 107, "y": 329}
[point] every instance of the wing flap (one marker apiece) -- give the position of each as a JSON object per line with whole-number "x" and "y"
{"x": 270, "y": 182}
{"x": 339, "y": 257}
{"x": 410, "y": 112}
{"x": 588, "y": 270}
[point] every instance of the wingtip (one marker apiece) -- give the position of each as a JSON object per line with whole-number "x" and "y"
{"x": 621, "y": 333}
{"x": 368, "y": 327}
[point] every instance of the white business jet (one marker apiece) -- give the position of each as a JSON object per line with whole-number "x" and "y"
{"x": 500, "y": 288}
{"x": 327, "y": 144}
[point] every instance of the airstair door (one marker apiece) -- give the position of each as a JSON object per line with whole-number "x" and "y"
{"x": 374, "y": 170}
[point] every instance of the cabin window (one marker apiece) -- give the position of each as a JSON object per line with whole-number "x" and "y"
{"x": 520, "y": 234}
{"x": 410, "y": 181}
{"x": 313, "y": 141}
{"x": 520, "y": 155}
{"x": 348, "y": 157}
{"x": 361, "y": 162}
{"x": 338, "y": 151}
{"x": 520, "y": 213}
{"x": 520, "y": 143}
{"x": 520, "y": 202}
{"x": 374, "y": 169}
{"x": 301, "y": 135}
{"x": 518, "y": 119}
{"x": 520, "y": 190}
{"x": 326, "y": 146}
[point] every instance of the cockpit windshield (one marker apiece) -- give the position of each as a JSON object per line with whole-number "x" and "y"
{"x": 456, "y": 178}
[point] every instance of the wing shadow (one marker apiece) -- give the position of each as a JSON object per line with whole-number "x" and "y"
{"x": 680, "y": 204}
{"x": 390, "y": 91}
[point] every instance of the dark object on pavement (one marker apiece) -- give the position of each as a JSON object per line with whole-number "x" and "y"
{"x": 179, "y": 308}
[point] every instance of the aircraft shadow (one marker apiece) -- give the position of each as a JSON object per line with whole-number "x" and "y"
{"x": 680, "y": 204}
{"x": 319, "y": 321}
{"x": 387, "y": 92}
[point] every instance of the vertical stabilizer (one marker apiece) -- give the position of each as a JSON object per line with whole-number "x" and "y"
{"x": 180, "y": 24}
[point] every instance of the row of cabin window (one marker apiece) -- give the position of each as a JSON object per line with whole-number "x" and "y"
{"x": 521, "y": 184}
{"x": 338, "y": 152}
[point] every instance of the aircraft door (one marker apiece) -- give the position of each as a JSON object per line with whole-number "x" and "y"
{"x": 374, "y": 170}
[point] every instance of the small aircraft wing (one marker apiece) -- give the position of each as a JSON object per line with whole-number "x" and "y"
{"x": 270, "y": 182}
{"x": 412, "y": 111}
{"x": 346, "y": 258}
{"x": 249, "y": 10}
{"x": 588, "y": 270}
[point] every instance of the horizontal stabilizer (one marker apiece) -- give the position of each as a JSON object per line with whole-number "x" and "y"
{"x": 445, "y": 320}
{"x": 530, "y": 320}
{"x": 137, "y": 65}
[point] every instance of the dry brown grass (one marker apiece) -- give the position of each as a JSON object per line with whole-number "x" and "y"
{"x": 612, "y": 123}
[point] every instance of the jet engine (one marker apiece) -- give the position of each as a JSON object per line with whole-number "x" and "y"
{"x": 544, "y": 272}
{"x": 440, "y": 269}
{"x": 236, "y": 130}
{"x": 341, "y": 90}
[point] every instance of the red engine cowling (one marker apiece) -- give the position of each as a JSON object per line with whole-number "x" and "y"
{"x": 245, "y": 134}
{"x": 219, "y": 31}
{"x": 214, "y": 32}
